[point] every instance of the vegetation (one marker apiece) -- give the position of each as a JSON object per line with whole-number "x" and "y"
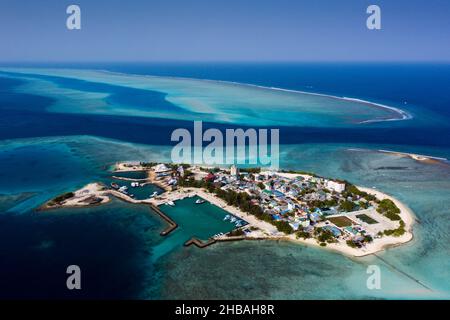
{"x": 236, "y": 233}
{"x": 352, "y": 191}
{"x": 284, "y": 226}
{"x": 347, "y": 206}
{"x": 351, "y": 244}
{"x": 303, "y": 234}
{"x": 396, "y": 232}
{"x": 261, "y": 185}
{"x": 389, "y": 209}
{"x": 250, "y": 170}
{"x": 341, "y": 221}
{"x": 148, "y": 164}
{"x": 323, "y": 204}
{"x": 61, "y": 198}
{"x": 365, "y": 218}
{"x": 324, "y": 235}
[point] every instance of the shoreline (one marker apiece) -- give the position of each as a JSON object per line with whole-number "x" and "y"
{"x": 265, "y": 230}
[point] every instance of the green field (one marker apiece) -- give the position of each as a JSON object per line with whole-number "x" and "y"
{"x": 341, "y": 221}
{"x": 365, "y": 218}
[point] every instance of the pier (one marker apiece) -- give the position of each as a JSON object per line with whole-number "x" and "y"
{"x": 199, "y": 243}
{"x": 172, "y": 224}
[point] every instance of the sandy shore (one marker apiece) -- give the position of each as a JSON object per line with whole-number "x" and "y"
{"x": 407, "y": 216}
{"x": 418, "y": 157}
{"x": 82, "y": 198}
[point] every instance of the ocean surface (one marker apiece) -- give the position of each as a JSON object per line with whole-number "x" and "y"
{"x": 62, "y": 129}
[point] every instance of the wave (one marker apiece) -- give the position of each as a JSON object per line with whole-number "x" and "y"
{"x": 403, "y": 114}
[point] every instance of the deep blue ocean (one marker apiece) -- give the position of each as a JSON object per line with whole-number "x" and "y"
{"x": 43, "y": 154}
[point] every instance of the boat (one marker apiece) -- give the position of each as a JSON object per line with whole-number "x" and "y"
{"x": 233, "y": 219}
{"x": 170, "y": 203}
{"x": 226, "y": 217}
{"x": 114, "y": 185}
{"x": 135, "y": 184}
{"x": 199, "y": 201}
{"x": 154, "y": 194}
{"x": 239, "y": 223}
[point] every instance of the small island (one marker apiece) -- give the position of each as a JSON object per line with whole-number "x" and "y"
{"x": 264, "y": 205}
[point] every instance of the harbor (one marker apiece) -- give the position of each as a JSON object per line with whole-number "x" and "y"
{"x": 279, "y": 206}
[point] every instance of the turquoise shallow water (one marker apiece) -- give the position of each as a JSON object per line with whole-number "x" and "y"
{"x": 191, "y": 99}
{"x": 139, "y": 193}
{"x": 267, "y": 269}
{"x": 194, "y": 220}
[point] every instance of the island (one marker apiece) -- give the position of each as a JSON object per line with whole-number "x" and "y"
{"x": 278, "y": 205}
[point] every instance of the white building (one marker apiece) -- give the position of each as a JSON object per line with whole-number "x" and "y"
{"x": 339, "y": 187}
{"x": 161, "y": 168}
{"x": 234, "y": 171}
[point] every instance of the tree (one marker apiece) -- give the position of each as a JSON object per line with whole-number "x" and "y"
{"x": 284, "y": 226}
{"x": 347, "y": 205}
{"x": 389, "y": 209}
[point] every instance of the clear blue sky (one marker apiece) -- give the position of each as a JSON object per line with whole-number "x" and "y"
{"x": 224, "y": 30}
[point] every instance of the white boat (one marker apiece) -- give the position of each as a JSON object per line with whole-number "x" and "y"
{"x": 226, "y": 217}
{"x": 154, "y": 194}
{"x": 170, "y": 203}
{"x": 135, "y": 184}
{"x": 233, "y": 219}
{"x": 199, "y": 201}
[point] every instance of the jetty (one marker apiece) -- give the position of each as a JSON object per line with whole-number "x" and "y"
{"x": 172, "y": 224}
{"x": 199, "y": 243}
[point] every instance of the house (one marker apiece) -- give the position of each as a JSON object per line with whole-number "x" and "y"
{"x": 180, "y": 171}
{"x": 234, "y": 171}
{"x": 294, "y": 225}
{"x": 161, "y": 168}
{"x": 334, "y": 230}
{"x": 305, "y": 223}
{"x": 315, "y": 217}
{"x": 336, "y": 186}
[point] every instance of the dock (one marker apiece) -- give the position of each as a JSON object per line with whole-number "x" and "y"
{"x": 172, "y": 224}
{"x": 199, "y": 243}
